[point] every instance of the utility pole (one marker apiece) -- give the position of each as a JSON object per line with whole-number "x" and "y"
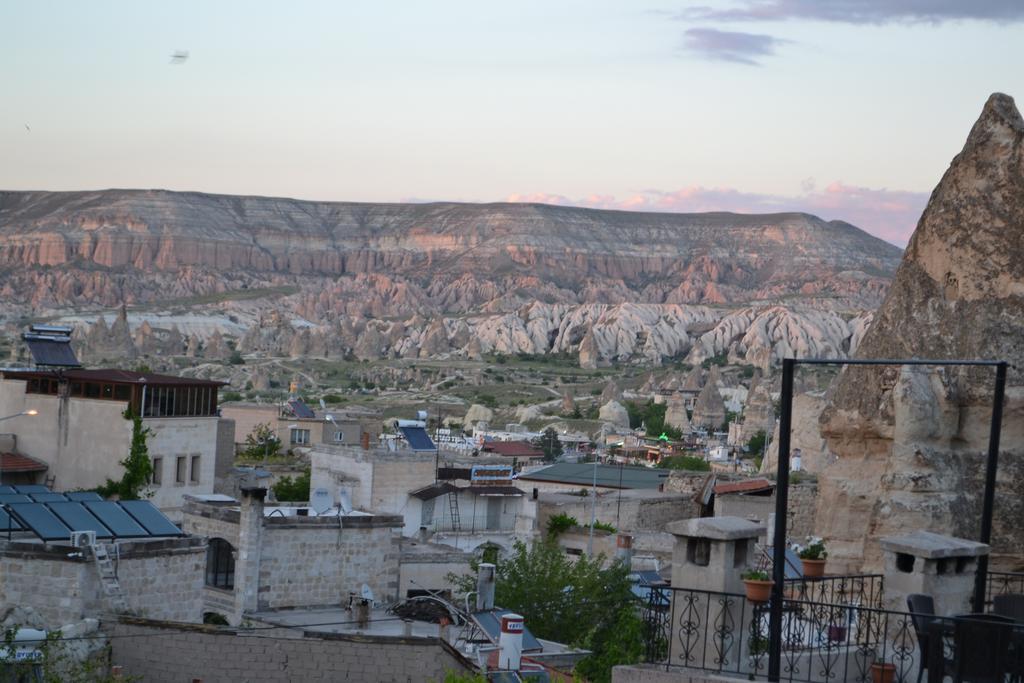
{"x": 593, "y": 511}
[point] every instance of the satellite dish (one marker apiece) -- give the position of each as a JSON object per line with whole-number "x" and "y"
{"x": 321, "y": 501}
{"x": 344, "y": 501}
{"x": 367, "y": 593}
{"x": 323, "y": 406}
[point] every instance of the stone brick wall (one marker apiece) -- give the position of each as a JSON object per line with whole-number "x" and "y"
{"x": 305, "y": 564}
{"x": 801, "y": 504}
{"x": 426, "y": 569}
{"x": 636, "y": 511}
{"x": 802, "y": 499}
{"x": 171, "y": 653}
{"x": 161, "y": 579}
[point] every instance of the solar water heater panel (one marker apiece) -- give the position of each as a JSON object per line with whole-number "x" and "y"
{"x": 77, "y": 518}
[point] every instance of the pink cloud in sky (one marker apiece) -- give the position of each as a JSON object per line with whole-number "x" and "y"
{"x": 889, "y": 214}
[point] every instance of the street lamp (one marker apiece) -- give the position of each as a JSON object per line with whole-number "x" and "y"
{"x": 26, "y": 413}
{"x": 29, "y": 413}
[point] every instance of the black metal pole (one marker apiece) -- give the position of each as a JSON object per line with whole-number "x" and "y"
{"x": 779, "y": 535}
{"x": 991, "y": 466}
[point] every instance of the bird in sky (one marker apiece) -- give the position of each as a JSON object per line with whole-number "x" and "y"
{"x": 179, "y": 56}
{"x": 27, "y": 128}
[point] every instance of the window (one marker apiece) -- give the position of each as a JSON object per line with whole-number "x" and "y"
{"x": 220, "y": 564}
{"x": 157, "y": 477}
{"x": 193, "y": 469}
{"x": 339, "y": 437}
{"x": 427, "y": 513}
{"x": 181, "y": 465}
{"x": 300, "y": 436}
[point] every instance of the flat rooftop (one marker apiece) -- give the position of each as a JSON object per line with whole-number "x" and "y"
{"x": 607, "y": 476}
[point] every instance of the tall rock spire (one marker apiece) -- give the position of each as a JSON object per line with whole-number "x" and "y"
{"x": 907, "y": 441}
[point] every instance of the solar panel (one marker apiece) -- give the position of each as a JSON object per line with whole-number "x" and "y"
{"x": 31, "y": 488}
{"x": 8, "y": 523}
{"x": 301, "y": 409}
{"x": 154, "y": 521}
{"x": 4, "y": 490}
{"x": 417, "y": 438}
{"x": 41, "y": 521}
{"x": 51, "y": 350}
{"x": 14, "y": 498}
{"x": 77, "y": 518}
{"x": 490, "y": 623}
{"x": 48, "y": 497}
{"x": 116, "y": 519}
{"x": 83, "y": 496}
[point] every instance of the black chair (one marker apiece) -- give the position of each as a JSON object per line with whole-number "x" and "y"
{"x": 1009, "y": 605}
{"x": 1012, "y": 606}
{"x": 982, "y": 648}
{"x": 922, "y": 613}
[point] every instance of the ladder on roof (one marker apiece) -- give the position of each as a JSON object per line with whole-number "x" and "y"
{"x": 108, "y": 576}
{"x": 453, "y": 510}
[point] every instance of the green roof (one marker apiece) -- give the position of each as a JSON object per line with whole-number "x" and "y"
{"x": 608, "y": 476}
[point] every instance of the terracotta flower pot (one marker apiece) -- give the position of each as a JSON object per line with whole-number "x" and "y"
{"x": 882, "y": 672}
{"x": 813, "y": 568}
{"x": 758, "y": 591}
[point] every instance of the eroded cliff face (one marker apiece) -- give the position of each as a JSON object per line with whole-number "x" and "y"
{"x": 910, "y": 443}
{"x": 76, "y": 248}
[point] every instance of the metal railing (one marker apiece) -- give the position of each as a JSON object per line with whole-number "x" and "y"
{"x": 1002, "y": 583}
{"x": 821, "y": 642}
{"x": 852, "y": 589}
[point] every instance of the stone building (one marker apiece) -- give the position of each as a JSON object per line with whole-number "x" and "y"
{"x": 79, "y": 430}
{"x": 296, "y": 424}
{"x": 160, "y": 579}
{"x": 263, "y": 557}
{"x": 446, "y": 501}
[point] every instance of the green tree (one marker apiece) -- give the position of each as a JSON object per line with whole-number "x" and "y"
{"x": 578, "y": 601}
{"x": 756, "y": 443}
{"x": 686, "y": 462}
{"x": 549, "y": 443}
{"x": 138, "y": 468}
{"x": 296, "y": 489}
{"x": 649, "y": 414}
{"x": 261, "y": 443}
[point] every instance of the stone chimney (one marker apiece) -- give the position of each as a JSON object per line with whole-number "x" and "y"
{"x": 250, "y": 545}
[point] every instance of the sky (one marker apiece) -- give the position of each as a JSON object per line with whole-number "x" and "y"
{"x": 849, "y": 109}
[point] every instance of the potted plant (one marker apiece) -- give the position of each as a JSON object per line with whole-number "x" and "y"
{"x": 758, "y": 585}
{"x": 882, "y": 671}
{"x": 813, "y": 556}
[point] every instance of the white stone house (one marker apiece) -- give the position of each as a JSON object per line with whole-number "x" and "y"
{"x": 437, "y": 500}
{"x": 79, "y": 430}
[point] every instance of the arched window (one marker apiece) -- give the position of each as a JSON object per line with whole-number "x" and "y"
{"x": 220, "y": 564}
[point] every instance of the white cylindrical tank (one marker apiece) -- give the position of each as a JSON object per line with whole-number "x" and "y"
{"x": 510, "y": 654}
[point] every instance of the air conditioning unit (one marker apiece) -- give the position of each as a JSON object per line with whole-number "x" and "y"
{"x": 82, "y": 539}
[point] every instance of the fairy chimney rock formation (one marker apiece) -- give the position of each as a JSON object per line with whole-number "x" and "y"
{"x": 909, "y": 443}
{"x": 709, "y": 411}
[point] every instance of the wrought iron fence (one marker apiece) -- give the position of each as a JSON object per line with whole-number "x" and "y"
{"x": 1002, "y": 583}
{"x": 854, "y": 589}
{"x": 821, "y": 642}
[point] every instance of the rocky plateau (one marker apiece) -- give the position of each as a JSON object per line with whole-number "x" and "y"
{"x": 433, "y": 280}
